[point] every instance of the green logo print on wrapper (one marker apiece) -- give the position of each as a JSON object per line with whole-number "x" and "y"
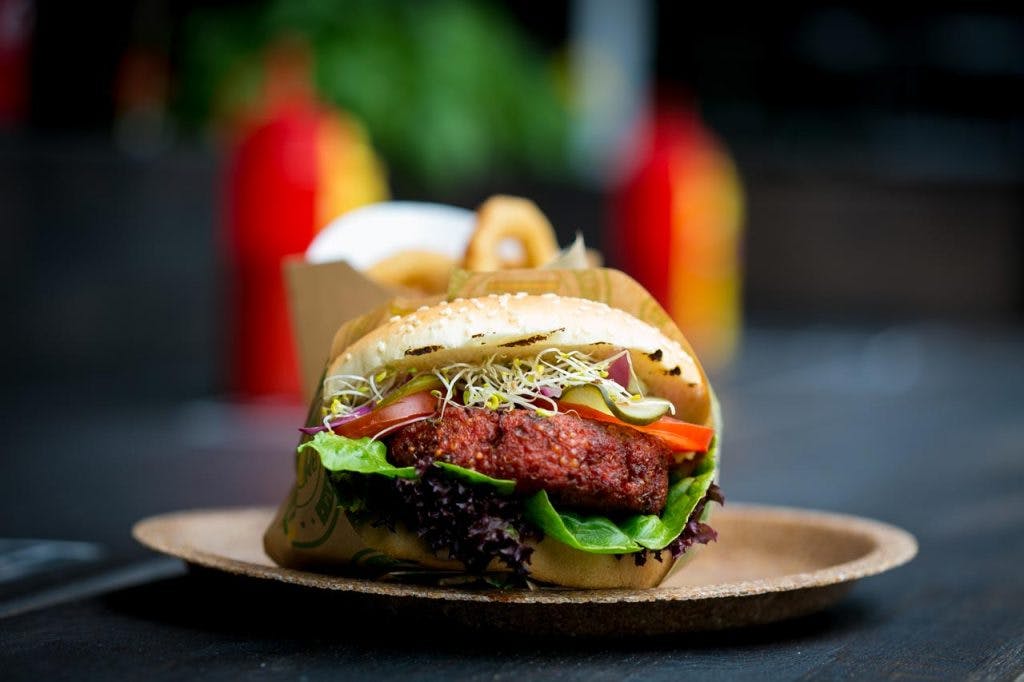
{"x": 313, "y": 510}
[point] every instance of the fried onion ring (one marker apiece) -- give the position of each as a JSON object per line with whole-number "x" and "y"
{"x": 426, "y": 272}
{"x": 503, "y": 218}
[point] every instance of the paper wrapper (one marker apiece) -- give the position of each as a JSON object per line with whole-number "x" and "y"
{"x": 323, "y": 296}
{"x": 310, "y": 530}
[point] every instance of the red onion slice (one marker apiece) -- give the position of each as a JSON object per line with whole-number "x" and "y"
{"x": 551, "y": 391}
{"x": 620, "y": 369}
{"x": 360, "y": 411}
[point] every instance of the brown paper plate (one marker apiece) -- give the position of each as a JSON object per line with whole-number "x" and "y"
{"x": 769, "y": 564}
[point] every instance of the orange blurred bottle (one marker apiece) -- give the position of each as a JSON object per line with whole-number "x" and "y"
{"x": 677, "y": 220}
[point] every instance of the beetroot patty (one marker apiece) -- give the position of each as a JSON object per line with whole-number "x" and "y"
{"x": 581, "y": 463}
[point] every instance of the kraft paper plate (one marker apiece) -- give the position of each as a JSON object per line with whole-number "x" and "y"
{"x": 770, "y": 563}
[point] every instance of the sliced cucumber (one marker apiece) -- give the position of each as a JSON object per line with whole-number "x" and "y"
{"x": 638, "y": 412}
{"x": 587, "y": 395}
{"x": 422, "y": 382}
{"x": 641, "y": 412}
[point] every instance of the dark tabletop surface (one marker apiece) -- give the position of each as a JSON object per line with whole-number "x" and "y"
{"x": 920, "y": 426}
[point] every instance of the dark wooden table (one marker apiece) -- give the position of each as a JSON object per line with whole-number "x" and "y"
{"x": 919, "y": 426}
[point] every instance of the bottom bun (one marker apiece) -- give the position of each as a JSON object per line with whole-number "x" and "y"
{"x": 551, "y": 562}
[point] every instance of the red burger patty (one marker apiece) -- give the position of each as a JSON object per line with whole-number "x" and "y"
{"x": 581, "y": 463}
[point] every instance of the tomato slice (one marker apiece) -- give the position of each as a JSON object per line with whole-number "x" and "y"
{"x": 410, "y": 407}
{"x": 677, "y": 434}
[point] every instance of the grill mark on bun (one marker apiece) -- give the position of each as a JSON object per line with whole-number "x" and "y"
{"x": 423, "y": 350}
{"x": 477, "y": 336}
{"x": 529, "y": 340}
{"x": 655, "y": 356}
{"x": 524, "y": 342}
{"x": 675, "y": 371}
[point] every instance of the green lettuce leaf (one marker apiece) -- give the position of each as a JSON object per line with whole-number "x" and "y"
{"x": 342, "y": 455}
{"x": 357, "y": 456}
{"x": 601, "y": 535}
{"x": 594, "y": 534}
{"x": 505, "y": 486}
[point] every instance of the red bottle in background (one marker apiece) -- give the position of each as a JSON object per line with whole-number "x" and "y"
{"x": 676, "y": 225}
{"x": 296, "y": 165}
{"x": 271, "y": 195}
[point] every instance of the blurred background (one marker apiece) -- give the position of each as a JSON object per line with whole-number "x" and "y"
{"x": 827, "y": 166}
{"x": 870, "y": 161}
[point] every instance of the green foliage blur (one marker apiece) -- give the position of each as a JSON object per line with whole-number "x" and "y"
{"x": 448, "y": 90}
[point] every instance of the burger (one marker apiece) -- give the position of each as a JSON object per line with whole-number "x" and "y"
{"x": 540, "y": 438}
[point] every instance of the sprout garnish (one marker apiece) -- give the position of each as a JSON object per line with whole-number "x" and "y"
{"x": 496, "y": 384}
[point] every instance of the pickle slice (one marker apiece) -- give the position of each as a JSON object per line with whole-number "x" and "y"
{"x": 422, "y": 382}
{"x": 637, "y": 412}
{"x": 641, "y": 412}
{"x": 587, "y": 395}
